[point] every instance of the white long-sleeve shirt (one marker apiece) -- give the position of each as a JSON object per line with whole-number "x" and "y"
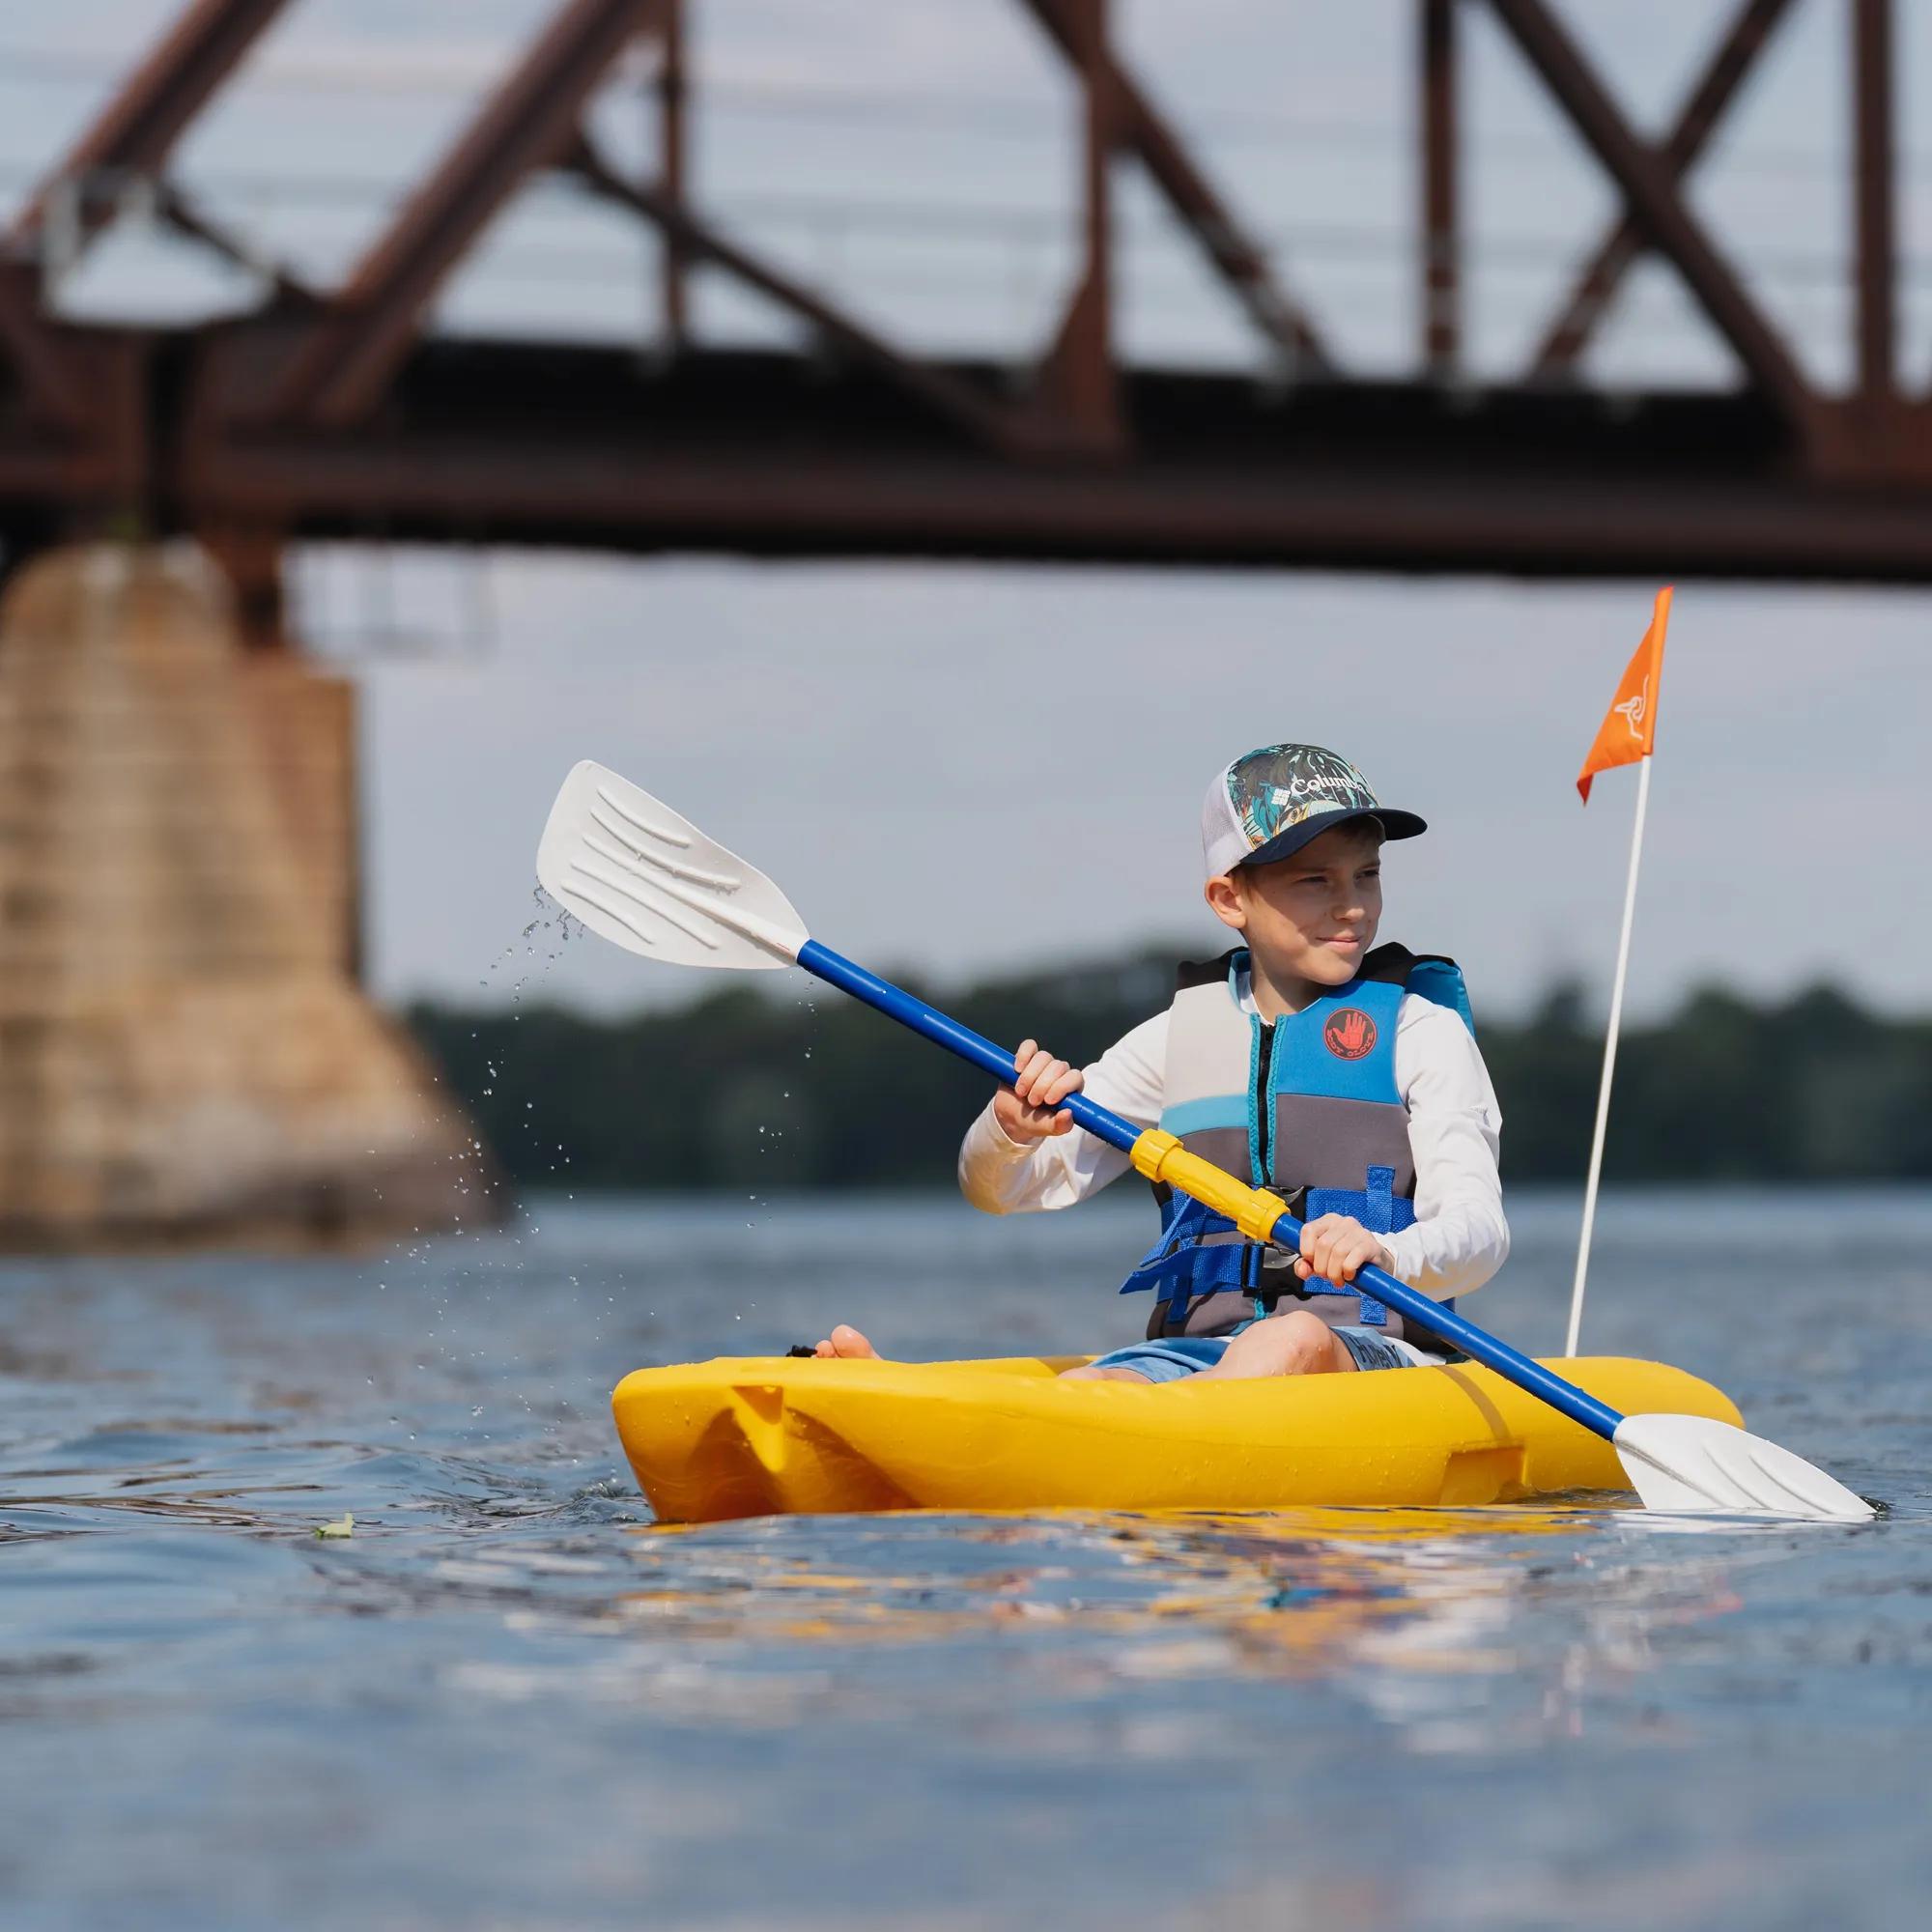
{"x": 1459, "y": 1237}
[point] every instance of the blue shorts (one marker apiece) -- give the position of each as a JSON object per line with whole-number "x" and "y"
{"x": 1171, "y": 1361}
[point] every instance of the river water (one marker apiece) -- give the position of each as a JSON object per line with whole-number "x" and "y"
{"x": 509, "y": 1702}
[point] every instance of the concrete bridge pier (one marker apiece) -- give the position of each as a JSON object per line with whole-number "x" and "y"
{"x": 185, "y": 1053}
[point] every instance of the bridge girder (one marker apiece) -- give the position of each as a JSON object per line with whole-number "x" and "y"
{"x": 328, "y": 413}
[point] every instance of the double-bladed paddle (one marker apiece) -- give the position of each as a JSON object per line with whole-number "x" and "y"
{"x": 643, "y": 876}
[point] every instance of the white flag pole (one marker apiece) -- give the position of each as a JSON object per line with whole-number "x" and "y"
{"x": 1609, "y": 1060}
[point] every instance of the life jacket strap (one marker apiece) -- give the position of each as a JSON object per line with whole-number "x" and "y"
{"x": 1201, "y": 1253}
{"x": 1379, "y": 1208}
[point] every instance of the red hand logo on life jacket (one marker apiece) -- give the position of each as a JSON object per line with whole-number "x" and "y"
{"x": 1350, "y": 1034}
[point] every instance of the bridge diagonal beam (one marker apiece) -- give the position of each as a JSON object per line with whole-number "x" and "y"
{"x": 138, "y": 129}
{"x": 985, "y": 421}
{"x": 341, "y": 370}
{"x": 186, "y": 216}
{"x": 1651, "y": 195}
{"x": 1589, "y": 298}
{"x": 1239, "y": 261}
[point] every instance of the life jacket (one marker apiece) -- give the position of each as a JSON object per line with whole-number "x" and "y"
{"x": 1308, "y": 1107}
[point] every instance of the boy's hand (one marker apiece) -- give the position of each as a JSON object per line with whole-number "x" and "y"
{"x": 1040, "y": 1082}
{"x": 1335, "y": 1247}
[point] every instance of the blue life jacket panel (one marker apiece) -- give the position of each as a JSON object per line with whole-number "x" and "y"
{"x": 1307, "y": 1106}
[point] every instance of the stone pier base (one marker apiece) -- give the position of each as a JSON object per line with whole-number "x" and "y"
{"x": 184, "y": 1054}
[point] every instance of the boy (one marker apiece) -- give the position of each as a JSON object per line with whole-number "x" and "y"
{"x": 1347, "y": 1079}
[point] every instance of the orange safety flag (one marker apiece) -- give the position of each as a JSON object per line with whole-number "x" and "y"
{"x": 1629, "y": 729}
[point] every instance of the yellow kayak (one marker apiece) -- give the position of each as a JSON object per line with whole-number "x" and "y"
{"x": 756, "y": 1435}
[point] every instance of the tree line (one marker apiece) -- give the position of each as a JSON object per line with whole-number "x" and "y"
{"x": 743, "y": 1089}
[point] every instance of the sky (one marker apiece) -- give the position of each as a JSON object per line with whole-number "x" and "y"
{"x": 958, "y": 769}
{"x": 962, "y": 769}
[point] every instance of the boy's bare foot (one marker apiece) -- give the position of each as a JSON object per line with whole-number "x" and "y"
{"x": 846, "y": 1344}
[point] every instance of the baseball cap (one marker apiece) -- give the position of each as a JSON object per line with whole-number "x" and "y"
{"x": 1270, "y": 803}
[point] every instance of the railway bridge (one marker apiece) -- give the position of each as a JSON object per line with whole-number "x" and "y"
{"x": 337, "y": 412}
{"x": 182, "y": 1043}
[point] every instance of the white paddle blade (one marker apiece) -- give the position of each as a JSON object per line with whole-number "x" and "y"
{"x": 1691, "y": 1462}
{"x": 643, "y": 876}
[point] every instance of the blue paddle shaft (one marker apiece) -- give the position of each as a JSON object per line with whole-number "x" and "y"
{"x": 1410, "y": 1303}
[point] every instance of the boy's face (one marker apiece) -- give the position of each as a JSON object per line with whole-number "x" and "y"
{"x": 1312, "y": 915}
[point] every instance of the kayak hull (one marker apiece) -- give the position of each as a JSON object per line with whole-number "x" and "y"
{"x": 756, "y": 1435}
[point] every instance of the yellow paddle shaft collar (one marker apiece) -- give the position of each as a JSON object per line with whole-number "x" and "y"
{"x": 1161, "y": 1158}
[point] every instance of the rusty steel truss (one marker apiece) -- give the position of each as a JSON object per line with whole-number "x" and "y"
{"x": 332, "y": 412}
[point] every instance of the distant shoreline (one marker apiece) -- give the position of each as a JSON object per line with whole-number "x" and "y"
{"x": 737, "y": 1090}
